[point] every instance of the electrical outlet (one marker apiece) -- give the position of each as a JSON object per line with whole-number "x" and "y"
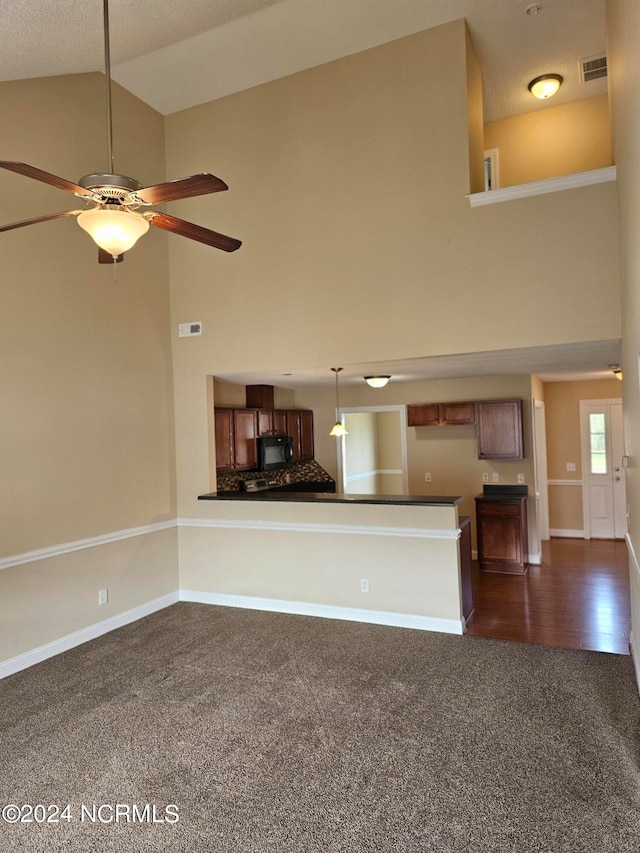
{"x": 364, "y": 585}
{"x": 571, "y": 466}
{"x": 495, "y": 477}
{"x": 103, "y": 596}
{"x": 427, "y": 478}
{"x": 485, "y": 477}
{"x": 521, "y": 478}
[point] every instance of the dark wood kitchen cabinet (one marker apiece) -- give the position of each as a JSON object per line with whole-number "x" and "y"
{"x": 500, "y": 429}
{"x": 423, "y": 414}
{"x": 224, "y": 439}
{"x": 440, "y": 414}
{"x": 245, "y": 432}
{"x": 236, "y": 432}
{"x": 457, "y": 413}
{"x": 502, "y": 534}
{"x": 279, "y": 422}
{"x": 307, "y": 448}
{"x": 300, "y": 428}
{"x": 265, "y": 422}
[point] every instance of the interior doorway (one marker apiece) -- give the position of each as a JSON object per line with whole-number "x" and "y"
{"x": 604, "y": 488}
{"x": 372, "y": 457}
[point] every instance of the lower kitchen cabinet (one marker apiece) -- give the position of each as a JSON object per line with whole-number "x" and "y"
{"x": 502, "y": 534}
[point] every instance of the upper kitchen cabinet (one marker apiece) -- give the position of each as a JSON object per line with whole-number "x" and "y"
{"x": 245, "y": 427}
{"x": 300, "y": 428}
{"x": 225, "y": 459}
{"x": 236, "y": 431}
{"x": 423, "y": 414}
{"x": 440, "y": 414}
{"x": 500, "y": 429}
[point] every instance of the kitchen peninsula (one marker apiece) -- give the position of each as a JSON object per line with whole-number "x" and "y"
{"x": 401, "y": 560}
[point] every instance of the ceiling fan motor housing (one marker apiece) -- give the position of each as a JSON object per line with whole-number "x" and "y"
{"x": 108, "y": 185}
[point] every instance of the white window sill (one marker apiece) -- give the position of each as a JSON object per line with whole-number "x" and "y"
{"x": 550, "y": 185}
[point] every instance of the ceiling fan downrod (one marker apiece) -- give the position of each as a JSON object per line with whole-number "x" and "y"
{"x": 107, "y": 74}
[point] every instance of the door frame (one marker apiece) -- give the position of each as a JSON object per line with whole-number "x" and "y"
{"x": 540, "y": 471}
{"x": 585, "y": 457}
{"x": 341, "y": 444}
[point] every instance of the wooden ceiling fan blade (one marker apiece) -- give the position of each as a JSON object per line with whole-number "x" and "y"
{"x": 106, "y": 258}
{"x": 183, "y": 188}
{"x": 46, "y": 178}
{"x": 39, "y": 219}
{"x": 194, "y": 232}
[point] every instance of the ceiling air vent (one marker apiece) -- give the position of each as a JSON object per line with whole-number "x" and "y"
{"x": 593, "y": 69}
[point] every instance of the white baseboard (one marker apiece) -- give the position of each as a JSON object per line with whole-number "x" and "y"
{"x": 70, "y": 641}
{"x": 636, "y": 662}
{"x": 567, "y": 534}
{"x": 327, "y": 611}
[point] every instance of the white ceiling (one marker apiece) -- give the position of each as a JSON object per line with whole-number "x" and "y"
{"x": 584, "y": 360}
{"x": 176, "y": 55}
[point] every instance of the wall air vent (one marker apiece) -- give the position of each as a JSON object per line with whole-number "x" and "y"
{"x": 593, "y": 68}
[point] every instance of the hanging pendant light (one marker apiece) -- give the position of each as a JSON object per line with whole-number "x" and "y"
{"x": 338, "y": 428}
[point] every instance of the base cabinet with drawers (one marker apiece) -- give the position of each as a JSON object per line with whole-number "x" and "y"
{"x": 502, "y": 533}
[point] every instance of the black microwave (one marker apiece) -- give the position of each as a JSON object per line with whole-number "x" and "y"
{"x": 275, "y": 451}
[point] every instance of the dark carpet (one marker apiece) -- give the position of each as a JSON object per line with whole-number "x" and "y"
{"x": 270, "y": 732}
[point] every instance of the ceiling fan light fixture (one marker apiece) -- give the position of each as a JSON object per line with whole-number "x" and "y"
{"x": 545, "y": 86}
{"x": 115, "y": 231}
{"x": 377, "y": 381}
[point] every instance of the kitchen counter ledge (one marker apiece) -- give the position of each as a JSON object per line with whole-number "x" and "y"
{"x": 274, "y": 495}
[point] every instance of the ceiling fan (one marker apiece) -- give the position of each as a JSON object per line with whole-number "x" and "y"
{"x": 115, "y": 221}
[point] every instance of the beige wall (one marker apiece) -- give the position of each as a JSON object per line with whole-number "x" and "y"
{"x": 86, "y": 429}
{"x": 562, "y": 414}
{"x": 623, "y": 24}
{"x": 555, "y": 141}
{"x": 319, "y": 553}
{"x": 347, "y": 185}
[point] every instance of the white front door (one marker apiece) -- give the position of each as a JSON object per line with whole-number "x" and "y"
{"x": 604, "y": 490}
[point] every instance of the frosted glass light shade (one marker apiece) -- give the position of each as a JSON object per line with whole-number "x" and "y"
{"x": 377, "y": 381}
{"x": 338, "y": 429}
{"x": 115, "y": 231}
{"x": 545, "y": 86}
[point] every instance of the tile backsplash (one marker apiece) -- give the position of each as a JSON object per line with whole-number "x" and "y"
{"x": 300, "y": 472}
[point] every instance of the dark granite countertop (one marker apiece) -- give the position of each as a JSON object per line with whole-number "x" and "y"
{"x": 278, "y": 496}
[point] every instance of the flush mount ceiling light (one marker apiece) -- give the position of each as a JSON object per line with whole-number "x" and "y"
{"x": 545, "y": 86}
{"x": 338, "y": 428}
{"x": 377, "y": 381}
{"x": 113, "y": 222}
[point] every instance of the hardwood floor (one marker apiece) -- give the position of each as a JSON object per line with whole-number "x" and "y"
{"x": 578, "y": 598}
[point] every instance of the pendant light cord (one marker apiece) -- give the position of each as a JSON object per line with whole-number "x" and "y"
{"x": 107, "y": 74}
